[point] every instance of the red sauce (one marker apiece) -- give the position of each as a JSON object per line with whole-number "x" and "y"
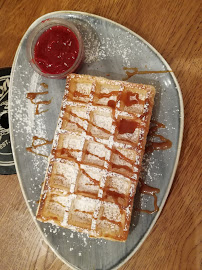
{"x": 56, "y": 50}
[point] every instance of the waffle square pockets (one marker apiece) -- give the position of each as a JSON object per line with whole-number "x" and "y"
{"x": 96, "y": 156}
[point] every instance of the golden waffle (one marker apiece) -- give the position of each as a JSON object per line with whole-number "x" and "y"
{"x": 96, "y": 157}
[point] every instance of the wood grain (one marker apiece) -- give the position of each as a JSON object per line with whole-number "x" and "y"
{"x": 173, "y": 28}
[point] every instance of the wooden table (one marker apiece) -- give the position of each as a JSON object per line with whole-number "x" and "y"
{"x": 172, "y": 27}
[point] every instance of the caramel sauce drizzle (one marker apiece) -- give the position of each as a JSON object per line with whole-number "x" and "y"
{"x": 151, "y": 146}
{"x": 33, "y": 95}
{"x": 68, "y": 154}
{"x": 79, "y": 94}
{"x": 89, "y": 133}
{"x": 134, "y": 71}
{"x": 96, "y": 182}
{"x": 60, "y": 176}
{"x": 113, "y": 165}
{"x": 115, "y": 195}
{"x": 64, "y": 151}
{"x": 163, "y": 145}
{"x": 87, "y": 212}
{"x": 123, "y": 126}
{"x": 111, "y": 103}
{"x": 111, "y": 221}
{"x": 127, "y": 126}
{"x": 148, "y": 190}
{"x": 101, "y": 158}
{"x": 115, "y": 151}
{"x": 126, "y": 98}
{"x": 45, "y": 85}
{"x": 51, "y": 200}
{"x": 89, "y": 122}
{"x": 117, "y": 166}
{"x": 107, "y": 95}
{"x": 35, "y": 146}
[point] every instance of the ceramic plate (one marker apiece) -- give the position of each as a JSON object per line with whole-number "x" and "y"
{"x": 109, "y": 47}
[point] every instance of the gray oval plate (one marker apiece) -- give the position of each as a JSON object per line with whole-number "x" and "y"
{"x": 108, "y": 48}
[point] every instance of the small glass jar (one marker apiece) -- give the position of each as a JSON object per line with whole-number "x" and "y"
{"x": 34, "y": 37}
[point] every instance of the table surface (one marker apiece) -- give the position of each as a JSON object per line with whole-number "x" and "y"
{"x": 172, "y": 27}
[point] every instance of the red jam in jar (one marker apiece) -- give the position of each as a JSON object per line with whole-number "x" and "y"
{"x": 56, "y": 50}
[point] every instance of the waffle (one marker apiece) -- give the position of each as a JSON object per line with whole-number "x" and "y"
{"x": 96, "y": 156}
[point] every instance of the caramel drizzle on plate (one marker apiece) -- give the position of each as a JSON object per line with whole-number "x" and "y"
{"x": 130, "y": 71}
{"x": 34, "y": 146}
{"x": 150, "y": 147}
{"x": 44, "y": 85}
{"x": 148, "y": 190}
{"x": 33, "y": 95}
{"x": 164, "y": 144}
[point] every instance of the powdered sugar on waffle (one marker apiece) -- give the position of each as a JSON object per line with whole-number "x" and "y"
{"x": 84, "y": 208}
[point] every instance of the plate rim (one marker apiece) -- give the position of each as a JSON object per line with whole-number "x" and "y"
{"x": 181, "y": 125}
